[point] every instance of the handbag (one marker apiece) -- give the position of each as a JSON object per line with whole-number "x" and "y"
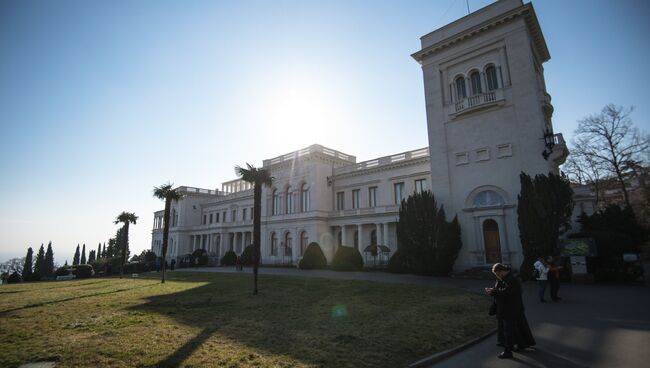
{"x": 493, "y": 308}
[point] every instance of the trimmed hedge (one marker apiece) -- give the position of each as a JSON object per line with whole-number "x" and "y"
{"x": 136, "y": 267}
{"x": 82, "y": 271}
{"x": 199, "y": 258}
{"x": 313, "y": 259}
{"x": 229, "y": 259}
{"x": 347, "y": 259}
{"x": 247, "y": 256}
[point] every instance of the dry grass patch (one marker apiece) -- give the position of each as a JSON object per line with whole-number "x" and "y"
{"x": 213, "y": 320}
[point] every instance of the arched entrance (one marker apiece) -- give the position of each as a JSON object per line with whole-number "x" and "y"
{"x": 492, "y": 241}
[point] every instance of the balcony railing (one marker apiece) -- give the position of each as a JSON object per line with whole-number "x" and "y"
{"x": 475, "y": 101}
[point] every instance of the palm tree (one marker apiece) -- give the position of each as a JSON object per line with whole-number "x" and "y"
{"x": 257, "y": 177}
{"x": 166, "y": 193}
{"x": 126, "y": 218}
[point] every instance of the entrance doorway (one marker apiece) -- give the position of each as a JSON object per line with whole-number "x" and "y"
{"x": 492, "y": 241}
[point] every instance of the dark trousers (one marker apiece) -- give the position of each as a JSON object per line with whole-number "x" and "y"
{"x": 506, "y": 333}
{"x": 555, "y": 286}
{"x": 541, "y": 284}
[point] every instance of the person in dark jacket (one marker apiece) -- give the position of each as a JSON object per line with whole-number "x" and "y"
{"x": 512, "y": 324}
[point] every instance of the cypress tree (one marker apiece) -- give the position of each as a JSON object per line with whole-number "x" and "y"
{"x": 49, "y": 261}
{"x": 83, "y": 255}
{"x": 98, "y": 255}
{"x": 544, "y": 209}
{"x": 27, "y": 268}
{"x": 75, "y": 259}
{"x": 39, "y": 265}
{"x": 91, "y": 256}
{"x": 104, "y": 251}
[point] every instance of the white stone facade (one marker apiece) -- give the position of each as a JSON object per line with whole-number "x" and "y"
{"x": 300, "y": 207}
{"x": 489, "y": 119}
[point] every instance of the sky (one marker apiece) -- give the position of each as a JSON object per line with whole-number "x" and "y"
{"x": 100, "y": 101}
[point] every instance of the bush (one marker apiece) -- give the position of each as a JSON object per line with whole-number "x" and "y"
{"x": 80, "y": 271}
{"x": 608, "y": 265}
{"x": 229, "y": 259}
{"x": 14, "y": 278}
{"x": 397, "y": 263}
{"x": 199, "y": 258}
{"x": 347, "y": 259}
{"x": 247, "y": 256}
{"x": 136, "y": 267}
{"x": 313, "y": 259}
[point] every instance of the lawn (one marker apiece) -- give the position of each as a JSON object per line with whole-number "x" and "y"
{"x": 212, "y": 319}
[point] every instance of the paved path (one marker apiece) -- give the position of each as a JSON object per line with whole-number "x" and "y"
{"x": 596, "y": 326}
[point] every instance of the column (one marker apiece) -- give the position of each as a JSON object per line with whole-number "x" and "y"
{"x": 243, "y": 238}
{"x": 386, "y": 235}
{"x": 344, "y": 236}
{"x": 360, "y": 233}
{"x": 379, "y": 234}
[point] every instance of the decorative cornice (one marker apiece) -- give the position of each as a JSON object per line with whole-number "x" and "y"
{"x": 398, "y": 164}
{"x": 526, "y": 11}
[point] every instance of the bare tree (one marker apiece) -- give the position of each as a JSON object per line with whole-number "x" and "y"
{"x": 581, "y": 168}
{"x": 611, "y": 141}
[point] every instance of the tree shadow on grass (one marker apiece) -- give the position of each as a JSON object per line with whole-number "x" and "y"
{"x": 325, "y": 323}
{"x": 48, "y": 302}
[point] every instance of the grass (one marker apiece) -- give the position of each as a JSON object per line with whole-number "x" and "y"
{"x": 213, "y": 320}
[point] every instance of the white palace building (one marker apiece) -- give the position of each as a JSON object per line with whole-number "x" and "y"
{"x": 489, "y": 119}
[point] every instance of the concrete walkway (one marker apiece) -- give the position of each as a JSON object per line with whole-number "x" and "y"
{"x": 593, "y": 326}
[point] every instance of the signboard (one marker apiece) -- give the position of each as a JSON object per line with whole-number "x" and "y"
{"x": 585, "y": 247}
{"x": 578, "y": 264}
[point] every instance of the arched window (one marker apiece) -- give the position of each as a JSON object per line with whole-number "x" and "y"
{"x": 289, "y": 201}
{"x": 461, "y": 92}
{"x": 276, "y": 202}
{"x": 491, "y": 76}
{"x": 274, "y": 244}
{"x": 304, "y": 241}
{"x": 488, "y": 198}
{"x": 287, "y": 244}
{"x": 304, "y": 198}
{"x": 475, "y": 78}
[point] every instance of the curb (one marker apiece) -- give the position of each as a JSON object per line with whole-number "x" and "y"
{"x": 435, "y": 358}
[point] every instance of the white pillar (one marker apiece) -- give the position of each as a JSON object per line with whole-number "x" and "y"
{"x": 386, "y": 235}
{"x": 343, "y": 235}
{"x": 360, "y": 237}
{"x": 243, "y": 238}
{"x": 379, "y": 234}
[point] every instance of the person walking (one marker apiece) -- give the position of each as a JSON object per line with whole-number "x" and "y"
{"x": 553, "y": 278}
{"x": 541, "y": 275}
{"x": 510, "y": 311}
{"x": 173, "y": 264}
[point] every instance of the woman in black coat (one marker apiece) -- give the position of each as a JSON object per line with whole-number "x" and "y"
{"x": 512, "y": 324}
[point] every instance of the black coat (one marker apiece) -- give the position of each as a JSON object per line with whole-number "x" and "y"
{"x": 507, "y": 294}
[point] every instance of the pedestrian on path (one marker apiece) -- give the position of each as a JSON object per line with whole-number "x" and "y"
{"x": 541, "y": 275}
{"x": 511, "y": 320}
{"x": 553, "y": 278}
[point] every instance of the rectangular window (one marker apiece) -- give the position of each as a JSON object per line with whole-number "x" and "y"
{"x": 372, "y": 196}
{"x": 234, "y": 216}
{"x": 340, "y": 201}
{"x": 420, "y": 185}
{"x": 355, "y": 198}
{"x": 399, "y": 192}
{"x": 243, "y": 215}
{"x": 210, "y": 218}
{"x": 252, "y": 213}
{"x": 224, "y": 216}
{"x": 204, "y": 219}
{"x": 217, "y": 220}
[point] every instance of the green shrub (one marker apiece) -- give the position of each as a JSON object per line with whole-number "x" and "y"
{"x": 62, "y": 271}
{"x": 247, "y": 256}
{"x": 136, "y": 267}
{"x": 397, "y": 263}
{"x": 83, "y": 271}
{"x": 313, "y": 259}
{"x": 347, "y": 259}
{"x": 199, "y": 258}
{"x": 229, "y": 259}
{"x": 14, "y": 278}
